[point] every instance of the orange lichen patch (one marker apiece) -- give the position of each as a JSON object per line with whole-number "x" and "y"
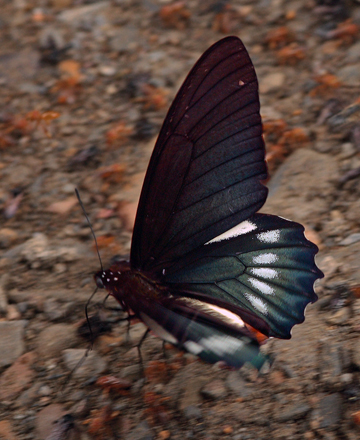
{"x": 274, "y": 126}
{"x": 346, "y": 32}
{"x": 327, "y": 83}
{"x": 100, "y": 423}
{"x": 118, "y": 135}
{"x": 156, "y": 411}
{"x": 356, "y": 417}
{"x": 114, "y": 384}
{"x": 104, "y": 241}
{"x": 281, "y": 141}
{"x": 68, "y": 87}
{"x": 290, "y": 55}
{"x": 113, "y": 173}
{"x": 294, "y": 138}
{"x": 175, "y": 15}
{"x": 156, "y": 371}
{"x": 279, "y": 37}
{"x": 13, "y": 125}
{"x": 225, "y": 20}
{"x": 356, "y": 291}
{"x": 153, "y": 97}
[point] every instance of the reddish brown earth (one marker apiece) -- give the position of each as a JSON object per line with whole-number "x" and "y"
{"x": 84, "y": 87}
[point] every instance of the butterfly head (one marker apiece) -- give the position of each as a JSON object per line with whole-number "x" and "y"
{"x": 105, "y": 279}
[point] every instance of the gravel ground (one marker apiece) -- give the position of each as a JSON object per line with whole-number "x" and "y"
{"x": 84, "y": 87}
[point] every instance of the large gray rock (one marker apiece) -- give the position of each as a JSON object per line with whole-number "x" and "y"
{"x": 300, "y": 189}
{"x": 11, "y": 341}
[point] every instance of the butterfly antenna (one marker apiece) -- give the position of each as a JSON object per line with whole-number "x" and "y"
{"x": 87, "y": 317}
{"x": 90, "y": 226}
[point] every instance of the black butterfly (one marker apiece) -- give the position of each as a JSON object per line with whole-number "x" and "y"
{"x": 206, "y": 272}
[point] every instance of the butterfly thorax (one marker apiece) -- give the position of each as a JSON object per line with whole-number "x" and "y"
{"x": 130, "y": 288}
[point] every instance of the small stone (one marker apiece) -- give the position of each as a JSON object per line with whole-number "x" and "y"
{"x": 294, "y": 412}
{"x": 237, "y": 384}
{"x": 192, "y": 412}
{"x": 17, "y": 377}
{"x": 328, "y": 413}
{"x": 132, "y": 372}
{"x": 136, "y": 332}
{"x": 11, "y": 341}
{"x": 6, "y": 430}
{"x": 53, "y": 310}
{"x": 191, "y": 396}
{"x": 107, "y": 70}
{"x": 13, "y": 313}
{"x": 8, "y": 237}
{"x": 141, "y": 432}
{"x": 349, "y": 74}
{"x": 214, "y": 390}
{"x": 351, "y": 239}
{"x": 127, "y": 39}
{"x": 340, "y": 317}
{"x": 356, "y": 352}
{"x": 46, "y": 419}
{"x": 75, "y": 16}
{"x": 272, "y": 82}
{"x": 347, "y": 150}
{"x": 3, "y": 296}
{"x": 54, "y": 339}
{"x": 91, "y": 365}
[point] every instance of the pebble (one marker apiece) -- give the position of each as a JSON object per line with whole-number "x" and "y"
{"x": 351, "y": 239}
{"x": 305, "y": 193}
{"x": 349, "y": 75}
{"x": 107, "y": 70}
{"x": 192, "y": 412}
{"x": 11, "y": 341}
{"x": 17, "y": 377}
{"x": 294, "y": 412}
{"x": 272, "y": 82}
{"x": 141, "y": 432}
{"x": 6, "y": 430}
{"x": 356, "y": 352}
{"x": 132, "y": 372}
{"x": 328, "y": 412}
{"x": 214, "y": 390}
{"x": 3, "y": 296}
{"x": 8, "y": 238}
{"x": 54, "y": 339}
{"x": 75, "y": 16}
{"x": 237, "y": 385}
{"x": 340, "y": 317}
{"x": 192, "y": 396}
{"x": 46, "y": 419}
{"x": 127, "y": 39}
{"x": 92, "y": 365}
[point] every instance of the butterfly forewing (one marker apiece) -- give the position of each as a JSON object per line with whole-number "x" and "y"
{"x": 205, "y": 173}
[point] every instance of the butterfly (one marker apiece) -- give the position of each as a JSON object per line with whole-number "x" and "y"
{"x": 207, "y": 272}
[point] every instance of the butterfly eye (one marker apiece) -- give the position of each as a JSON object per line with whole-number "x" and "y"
{"x": 99, "y": 282}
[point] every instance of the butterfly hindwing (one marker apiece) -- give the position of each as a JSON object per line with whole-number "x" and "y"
{"x": 191, "y": 329}
{"x": 265, "y": 265}
{"x": 205, "y": 173}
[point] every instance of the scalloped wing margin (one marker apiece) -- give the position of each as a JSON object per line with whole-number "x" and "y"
{"x": 264, "y": 265}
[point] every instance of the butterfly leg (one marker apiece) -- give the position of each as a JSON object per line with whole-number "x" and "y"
{"x": 138, "y": 346}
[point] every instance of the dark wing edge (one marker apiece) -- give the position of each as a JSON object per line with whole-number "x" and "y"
{"x": 268, "y": 270}
{"x": 205, "y": 173}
